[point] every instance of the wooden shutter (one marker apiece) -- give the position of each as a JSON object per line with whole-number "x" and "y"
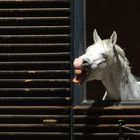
{"x": 96, "y": 122}
{"x": 35, "y": 88}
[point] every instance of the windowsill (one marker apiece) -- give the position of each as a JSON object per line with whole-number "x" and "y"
{"x": 111, "y": 103}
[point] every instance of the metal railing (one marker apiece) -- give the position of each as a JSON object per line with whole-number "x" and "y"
{"x": 123, "y": 126}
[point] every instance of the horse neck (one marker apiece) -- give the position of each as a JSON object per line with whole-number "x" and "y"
{"x": 121, "y": 84}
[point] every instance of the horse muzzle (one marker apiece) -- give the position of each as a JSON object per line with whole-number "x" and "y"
{"x": 81, "y": 70}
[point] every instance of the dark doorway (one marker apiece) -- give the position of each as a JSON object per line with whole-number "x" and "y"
{"x": 121, "y": 16}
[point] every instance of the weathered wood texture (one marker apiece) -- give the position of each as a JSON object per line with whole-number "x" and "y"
{"x": 35, "y": 64}
{"x": 103, "y": 122}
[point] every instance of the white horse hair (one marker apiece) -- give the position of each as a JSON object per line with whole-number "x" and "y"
{"x": 106, "y": 61}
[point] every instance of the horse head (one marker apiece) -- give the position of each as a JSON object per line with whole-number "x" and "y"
{"x": 94, "y": 64}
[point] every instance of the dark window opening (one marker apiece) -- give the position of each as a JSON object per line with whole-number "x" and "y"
{"x": 107, "y": 16}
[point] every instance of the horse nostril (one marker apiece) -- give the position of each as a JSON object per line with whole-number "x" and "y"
{"x": 86, "y": 63}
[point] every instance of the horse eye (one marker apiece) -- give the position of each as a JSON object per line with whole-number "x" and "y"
{"x": 104, "y": 55}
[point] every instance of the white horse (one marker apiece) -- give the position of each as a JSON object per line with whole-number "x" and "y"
{"x": 106, "y": 61}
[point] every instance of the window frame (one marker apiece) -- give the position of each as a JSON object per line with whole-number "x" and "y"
{"x": 79, "y": 44}
{"x": 79, "y": 47}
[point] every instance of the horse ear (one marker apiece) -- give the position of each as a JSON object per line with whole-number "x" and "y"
{"x": 113, "y": 38}
{"x": 96, "y": 36}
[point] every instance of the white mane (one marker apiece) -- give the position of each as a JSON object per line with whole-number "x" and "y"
{"x": 122, "y": 57}
{"x": 120, "y": 54}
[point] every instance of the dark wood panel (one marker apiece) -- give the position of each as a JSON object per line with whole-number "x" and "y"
{"x": 100, "y": 122}
{"x": 35, "y": 69}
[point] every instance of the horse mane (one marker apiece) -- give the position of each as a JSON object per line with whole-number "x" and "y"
{"x": 119, "y": 52}
{"x": 122, "y": 57}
